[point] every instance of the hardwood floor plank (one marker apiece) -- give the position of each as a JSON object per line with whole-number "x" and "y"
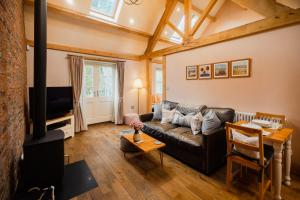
{"x": 141, "y": 177}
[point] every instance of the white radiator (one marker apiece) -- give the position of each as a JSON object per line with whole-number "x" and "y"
{"x": 243, "y": 116}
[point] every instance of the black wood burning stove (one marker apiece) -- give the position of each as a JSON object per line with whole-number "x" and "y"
{"x": 43, "y": 163}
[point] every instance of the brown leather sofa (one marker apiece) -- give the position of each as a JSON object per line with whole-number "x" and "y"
{"x": 204, "y": 151}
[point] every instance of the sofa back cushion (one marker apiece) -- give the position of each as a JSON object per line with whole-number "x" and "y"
{"x": 210, "y": 122}
{"x": 169, "y": 105}
{"x": 157, "y": 114}
{"x": 186, "y": 109}
{"x": 167, "y": 115}
{"x": 224, "y": 114}
{"x": 196, "y": 123}
{"x": 182, "y": 120}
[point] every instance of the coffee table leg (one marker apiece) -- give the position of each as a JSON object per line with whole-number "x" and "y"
{"x": 161, "y": 156}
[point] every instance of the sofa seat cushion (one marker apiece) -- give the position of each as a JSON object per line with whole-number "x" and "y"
{"x": 158, "y": 126}
{"x": 157, "y": 130}
{"x": 184, "y": 138}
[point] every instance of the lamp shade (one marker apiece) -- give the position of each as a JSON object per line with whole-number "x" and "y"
{"x": 138, "y": 84}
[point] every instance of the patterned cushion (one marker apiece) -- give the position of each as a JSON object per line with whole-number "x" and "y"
{"x": 196, "y": 123}
{"x": 210, "y": 122}
{"x": 182, "y": 120}
{"x": 239, "y": 137}
{"x": 167, "y": 115}
{"x": 169, "y": 105}
{"x": 186, "y": 109}
{"x": 157, "y": 114}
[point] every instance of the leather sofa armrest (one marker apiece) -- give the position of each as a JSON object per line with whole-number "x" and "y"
{"x": 214, "y": 149}
{"x": 146, "y": 117}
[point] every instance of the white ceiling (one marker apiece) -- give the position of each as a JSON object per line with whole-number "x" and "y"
{"x": 146, "y": 17}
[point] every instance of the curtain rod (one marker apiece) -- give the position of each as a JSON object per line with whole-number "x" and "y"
{"x": 97, "y": 59}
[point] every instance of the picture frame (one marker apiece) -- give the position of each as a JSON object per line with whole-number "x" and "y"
{"x": 240, "y": 68}
{"x": 221, "y": 70}
{"x": 192, "y": 72}
{"x": 205, "y": 71}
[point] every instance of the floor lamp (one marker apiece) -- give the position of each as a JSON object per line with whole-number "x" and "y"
{"x": 138, "y": 85}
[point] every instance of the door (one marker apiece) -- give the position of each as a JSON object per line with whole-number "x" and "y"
{"x": 99, "y": 85}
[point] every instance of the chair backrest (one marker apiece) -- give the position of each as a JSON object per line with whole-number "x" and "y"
{"x": 271, "y": 117}
{"x": 247, "y": 132}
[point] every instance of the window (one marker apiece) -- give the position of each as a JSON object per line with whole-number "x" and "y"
{"x": 88, "y": 74}
{"x": 177, "y": 38}
{"x": 106, "y": 81}
{"x": 99, "y": 79}
{"x": 106, "y": 9}
{"x": 158, "y": 81}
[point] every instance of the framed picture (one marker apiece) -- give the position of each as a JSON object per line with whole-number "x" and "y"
{"x": 221, "y": 70}
{"x": 240, "y": 68}
{"x": 205, "y": 71}
{"x": 192, "y": 72}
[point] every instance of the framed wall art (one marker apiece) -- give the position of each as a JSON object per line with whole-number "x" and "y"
{"x": 205, "y": 71}
{"x": 192, "y": 72}
{"x": 240, "y": 68}
{"x": 221, "y": 70}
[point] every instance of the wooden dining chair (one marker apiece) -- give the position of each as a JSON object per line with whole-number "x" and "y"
{"x": 271, "y": 117}
{"x": 261, "y": 163}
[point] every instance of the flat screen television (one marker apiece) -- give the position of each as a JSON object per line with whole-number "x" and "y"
{"x": 59, "y": 101}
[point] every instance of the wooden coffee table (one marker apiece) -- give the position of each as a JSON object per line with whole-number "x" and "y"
{"x": 147, "y": 144}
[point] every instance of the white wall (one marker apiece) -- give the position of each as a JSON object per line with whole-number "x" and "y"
{"x": 273, "y": 86}
{"x": 58, "y": 75}
{"x": 77, "y": 33}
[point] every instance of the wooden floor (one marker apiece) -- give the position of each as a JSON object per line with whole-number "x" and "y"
{"x": 142, "y": 177}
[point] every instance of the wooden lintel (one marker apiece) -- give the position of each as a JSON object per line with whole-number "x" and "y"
{"x": 270, "y": 23}
{"x": 99, "y": 59}
{"x": 89, "y": 19}
{"x": 187, "y": 19}
{"x": 157, "y": 61}
{"x": 88, "y": 51}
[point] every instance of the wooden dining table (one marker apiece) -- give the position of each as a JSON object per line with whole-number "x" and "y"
{"x": 281, "y": 140}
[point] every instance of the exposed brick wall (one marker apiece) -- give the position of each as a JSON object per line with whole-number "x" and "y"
{"x": 12, "y": 93}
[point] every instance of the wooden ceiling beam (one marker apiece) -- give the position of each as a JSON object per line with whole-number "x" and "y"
{"x": 270, "y": 23}
{"x": 266, "y": 8}
{"x": 187, "y": 20}
{"x": 89, "y": 19}
{"x": 172, "y": 26}
{"x": 66, "y": 48}
{"x": 161, "y": 25}
{"x": 205, "y": 13}
{"x": 199, "y": 11}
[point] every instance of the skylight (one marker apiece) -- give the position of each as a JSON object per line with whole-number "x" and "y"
{"x": 177, "y": 38}
{"x": 106, "y": 9}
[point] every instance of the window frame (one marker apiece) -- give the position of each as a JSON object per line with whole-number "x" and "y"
{"x": 103, "y": 16}
{"x": 92, "y": 81}
{"x": 156, "y": 82}
{"x": 96, "y": 77}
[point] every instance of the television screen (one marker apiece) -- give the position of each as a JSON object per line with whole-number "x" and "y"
{"x": 59, "y": 101}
